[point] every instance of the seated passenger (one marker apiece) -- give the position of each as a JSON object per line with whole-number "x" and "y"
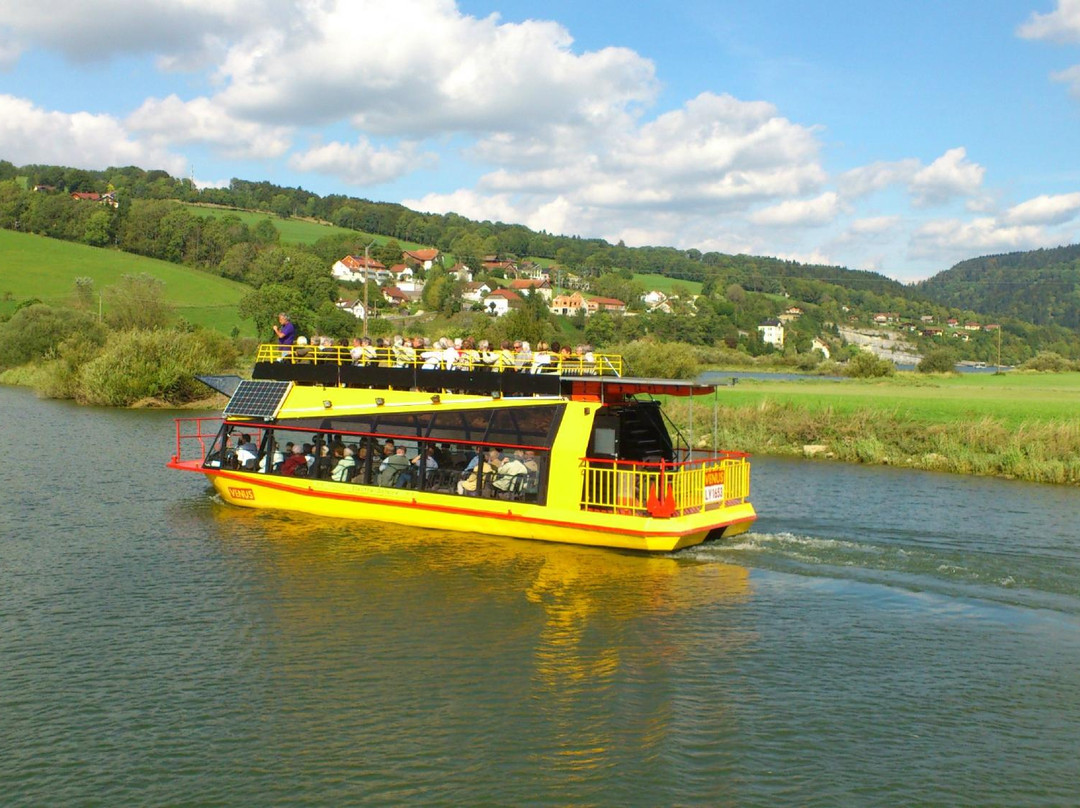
{"x": 431, "y": 463}
{"x": 509, "y": 471}
{"x": 301, "y": 352}
{"x": 468, "y": 357}
{"x": 404, "y": 355}
{"x": 541, "y": 358}
{"x": 295, "y": 465}
{"x": 393, "y": 468}
{"x": 467, "y": 484}
{"x": 432, "y": 356}
{"x": 345, "y": 467}
{"x": 246, "y": 452}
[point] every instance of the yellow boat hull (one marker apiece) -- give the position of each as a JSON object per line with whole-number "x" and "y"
{"x": 475, "y": 514}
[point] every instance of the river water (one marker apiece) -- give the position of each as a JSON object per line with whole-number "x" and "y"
{"x": 883, "y": 637}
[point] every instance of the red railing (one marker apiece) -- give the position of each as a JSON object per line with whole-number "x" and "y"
{"x": 192, "y": 433}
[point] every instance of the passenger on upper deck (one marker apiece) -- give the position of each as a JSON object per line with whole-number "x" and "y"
{"x": 301, "y": 352}
{"x": 541, "y": 358}
{"x": 285, "y": 330}
{"x": 522, "y": 355}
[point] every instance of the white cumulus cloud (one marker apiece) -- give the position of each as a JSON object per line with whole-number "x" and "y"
{"x": 361, "y": 163}
{"x": 1060, "y": 25}
{"x": 815, "y": 212}
{"x": 30, "y": 134}
{"x": 202, "y": 121}
{"x": 951, "y": 175}
{"x": 1046, "y": 210}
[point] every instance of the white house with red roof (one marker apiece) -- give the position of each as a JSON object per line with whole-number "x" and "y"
{"x": 357, "y": 268}
{"x": 424, "y": 258}
{"x": 395, "y": 296}
{"x": 524, "y": 286}
{"x": 501, "y": 301}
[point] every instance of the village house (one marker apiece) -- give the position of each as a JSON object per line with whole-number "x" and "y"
{"x": 355, "y": 308}
{"x": 501, "y": 301}
{"x": 653, "y": 299}
{"x": 460, "y": 272}
{"x": 421, "y": 258}
{"x": 791, "y": 313}
{"x": 509, "y": 269}
{"x": 395, "y": 297}
{"x": 927, "y": 318}
{"x": 474, "y": 291}
{"x": 933, "y": 331}
{"x": 524, "y": 286}
{"x": 405, "y": 279}
{"x": 610, "y": 304}
{"x": 818, "y": 344}
{"x": 972, "y": 326}
{"x": 772, "y": 332}
{"x": 533, "y": 271}
{"x": 357, "y": 268}
{"x": 567, "y": 305}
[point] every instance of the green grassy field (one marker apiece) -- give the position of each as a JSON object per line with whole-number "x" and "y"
{"x": 1020, "y": 425}
{"x": 1015, "y": 398}
{"x": 35, "y": 266}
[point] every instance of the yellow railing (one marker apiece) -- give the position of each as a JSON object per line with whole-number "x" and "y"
{"x": 666, "y": 489}
{"x": 593, "y": 364}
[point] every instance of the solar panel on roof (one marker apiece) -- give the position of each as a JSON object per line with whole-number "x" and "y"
{"x": 258, "y": 399}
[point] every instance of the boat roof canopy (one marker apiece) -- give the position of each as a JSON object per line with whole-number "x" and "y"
{"x": 478, "y": 382}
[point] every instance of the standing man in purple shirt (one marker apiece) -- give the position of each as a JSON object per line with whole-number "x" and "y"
{"x": 286, "y": 333}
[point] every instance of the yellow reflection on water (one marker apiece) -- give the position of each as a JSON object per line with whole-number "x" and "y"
{"x": 605, "y": 618}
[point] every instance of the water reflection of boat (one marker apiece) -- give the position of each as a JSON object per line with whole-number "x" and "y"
{"x": 577, "y": 454}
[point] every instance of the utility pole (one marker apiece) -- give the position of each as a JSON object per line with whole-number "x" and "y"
{"x": 367, "y": 269}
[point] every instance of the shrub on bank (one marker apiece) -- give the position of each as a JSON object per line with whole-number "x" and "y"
{"x": 37, "y": 332}
{"x": 647, "y": 357}
{"x": 864, "y": 365}
{"x": 939, "y": 360}
{"x": 162, "y": 364}
{"x": 1048, "y": 361}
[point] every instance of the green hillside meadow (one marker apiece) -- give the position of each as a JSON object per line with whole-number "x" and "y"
{"x": 38, "y": 267}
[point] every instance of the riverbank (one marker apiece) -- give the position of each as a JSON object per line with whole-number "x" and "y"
{"x": 1023, "y": 426}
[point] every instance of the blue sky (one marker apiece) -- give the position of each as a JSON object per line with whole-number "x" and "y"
{"x": 896, "y": 137}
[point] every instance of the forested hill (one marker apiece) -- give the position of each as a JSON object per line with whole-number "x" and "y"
{"x": 136, "y": 190}
{"x": 1040, "y": 286}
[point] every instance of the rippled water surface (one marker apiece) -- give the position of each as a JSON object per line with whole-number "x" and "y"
{"x": 883, "y": 638}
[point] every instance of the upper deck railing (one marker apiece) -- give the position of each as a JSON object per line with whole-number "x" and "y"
{"x": 590, "y": 364}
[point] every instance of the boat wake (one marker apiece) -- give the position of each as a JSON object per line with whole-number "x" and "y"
{"x": 931, "y": 566}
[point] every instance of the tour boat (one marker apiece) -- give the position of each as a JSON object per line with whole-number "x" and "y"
{"x": 573, "y": 452}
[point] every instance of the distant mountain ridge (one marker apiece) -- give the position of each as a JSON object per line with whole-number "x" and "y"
{"x": 1038, "y": 286}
